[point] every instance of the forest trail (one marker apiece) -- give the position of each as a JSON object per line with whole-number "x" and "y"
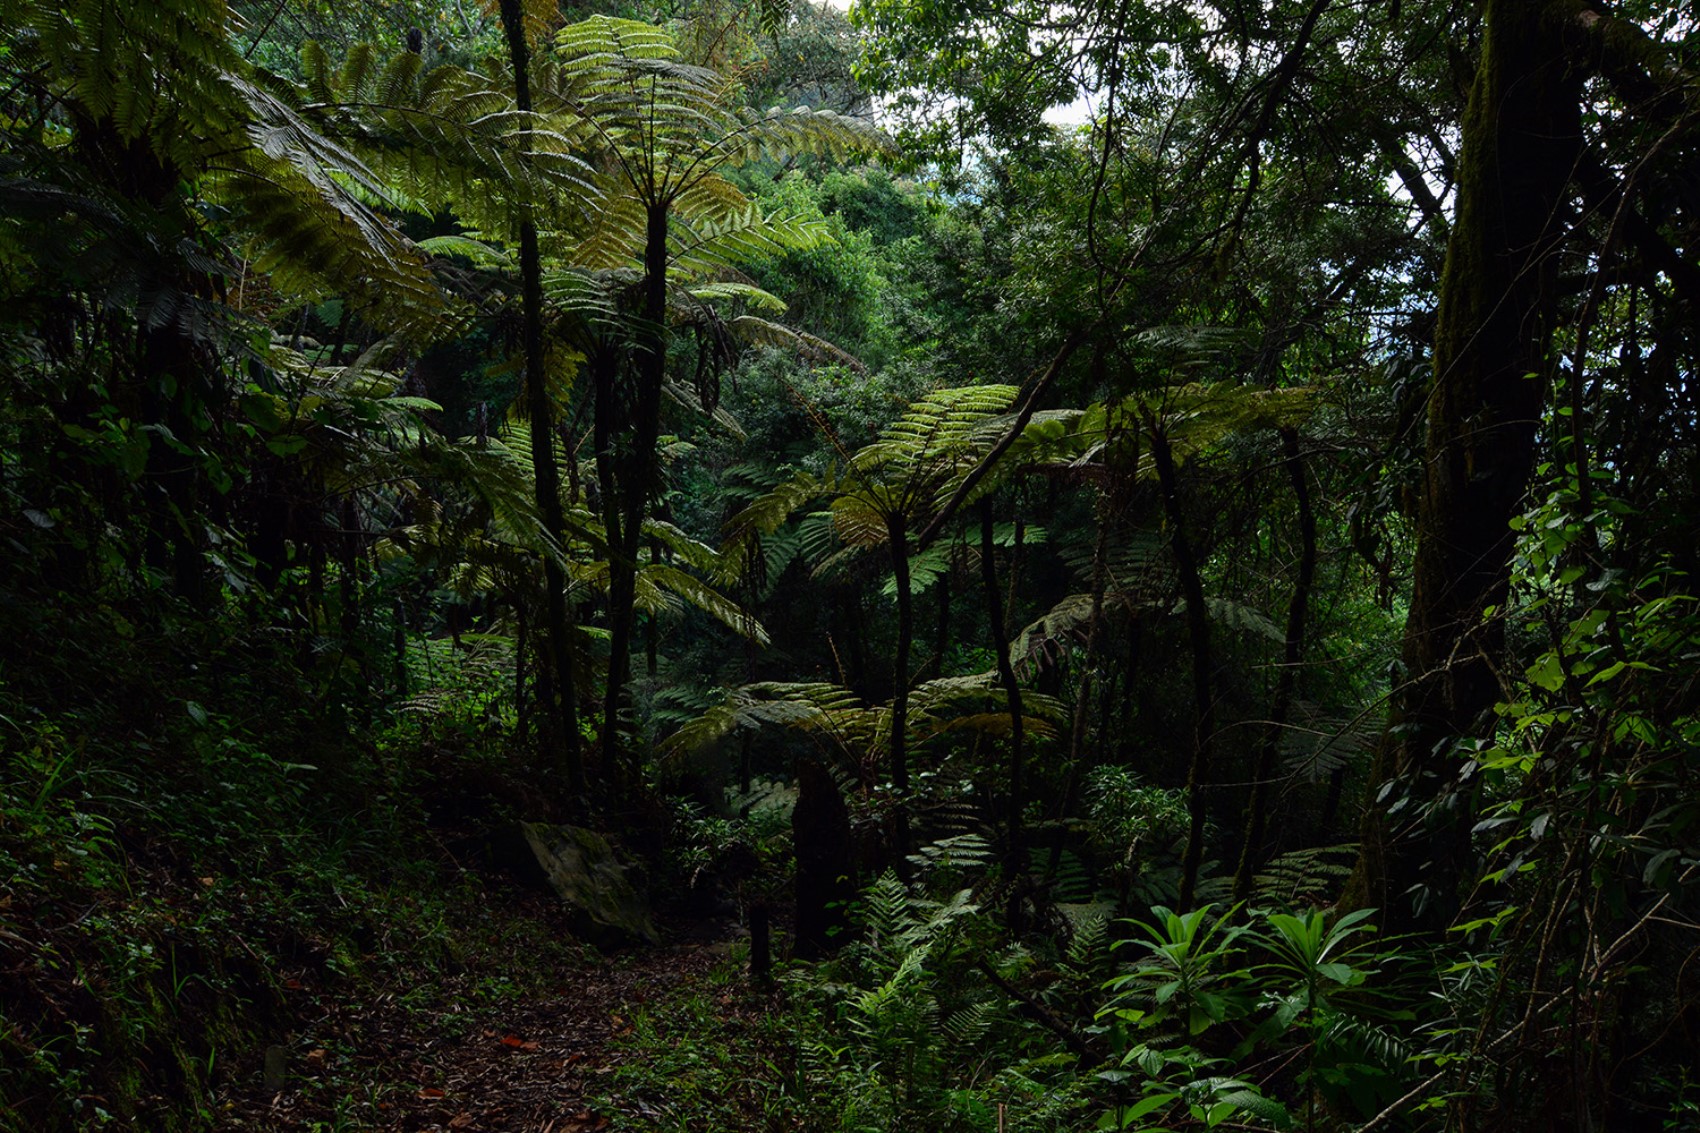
{"x": 534, "y": 1064}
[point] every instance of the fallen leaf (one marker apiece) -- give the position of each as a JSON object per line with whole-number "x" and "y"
{"x": 430, "y": 1092}
{"x": 461, "y": 1121}
{"x": 512, "y": 1040}
{"x": 532, "y": 1045}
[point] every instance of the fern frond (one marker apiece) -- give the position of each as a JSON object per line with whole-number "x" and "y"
{"x": 703, "y": 597}
{"x": 1314, "y": 873}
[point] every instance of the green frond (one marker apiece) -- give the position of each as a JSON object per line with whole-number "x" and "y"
{"x": 313, "y": 244}
{"x": 576, "y": 294}
{"x": 704, "y": 245}
{"x": 538, "y": 16}
{"x": 1196, "y": 417}
{"x": 1232, "y": 615}
{"x": 711, "y": 198}
{"x": 398, "y": 84}
{"x": 975, "y": 704}
{"x": 744, "y": 292}
{"x": 1315, "y": 873}
{"x": 692, "y": 552}
{"x": 481, "y": 254}
{"x": 1063, "y": 626}
{"x": 925, "y": 569}
{"x": 790, "y": 133}
{"x": 316, "y": 67}
{"x": 616, "y": 238}
{"x": 1318, "y": 743}
{"x": 764, "y": 332}
{"x": 939, "y": 432}
{"x": 356, "y": 72}
{"x": 763, "y": 516}
{"x": 610, "y": 37}
{"x": 702, "y": 596}
{"x": 809, "y": 706}
{"x": 859, "y": 519}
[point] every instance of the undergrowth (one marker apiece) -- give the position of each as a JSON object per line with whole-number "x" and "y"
{"x": 206, "y": 841}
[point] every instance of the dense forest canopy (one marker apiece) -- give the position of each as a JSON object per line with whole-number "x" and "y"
{"x": 1137, "y": 556}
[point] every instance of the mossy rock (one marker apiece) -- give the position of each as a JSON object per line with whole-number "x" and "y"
{"x": 583, "y": 870}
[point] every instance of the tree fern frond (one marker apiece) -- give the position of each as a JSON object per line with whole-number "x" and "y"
{"x": 705, "y": 598}
{"x": 813, "y": 707}
{"x": 743, "y": 292}
{"x": 764, "y": 332}
{"x": 481, "y": 254}
{"x": 1309, "y": 874}
{"x": 1317, "y": 744}
{"x": 763, "y": 516}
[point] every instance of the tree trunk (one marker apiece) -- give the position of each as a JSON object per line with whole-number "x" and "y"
{"x": 1292, "y": 653}
{"x": 898, "y": 530}
{"x": 636, "y": 475}
{"x": 1015, "y": 857}
{"x": 825, "y": 883}
{"x": 561, "y": 709}
{"x": 1521, "y": 140}
{"x": 1198, "y": 633}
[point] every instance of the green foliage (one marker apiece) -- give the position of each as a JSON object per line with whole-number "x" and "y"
{"x": 281, "y": 595}
{"x": 1301, "y": 987}
{"x": 1183, "y": 977}
{"x": 858, "y": 732}
{"x": 1136, "y": 823}
{"x": 930, "y": 1044}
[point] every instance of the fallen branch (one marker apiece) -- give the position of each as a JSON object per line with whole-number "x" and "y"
{"x": 1040, "y": 1014}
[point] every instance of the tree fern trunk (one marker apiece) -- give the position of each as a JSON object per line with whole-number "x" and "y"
{"x": 898, "y": 530}
{"x": 1015, "y": 859}
{"x": 1251, "y": 854}
{"x": 636, "y": 475}
{"x": 561, "y": 712}
{"x": 1198, "y": 634}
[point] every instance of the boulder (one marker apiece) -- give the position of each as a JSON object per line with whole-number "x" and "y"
{"x": 582, "y": 869}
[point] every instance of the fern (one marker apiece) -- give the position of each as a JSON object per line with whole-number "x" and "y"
{"x": 1312, "y": 874}
{"x": 1318, "y": 744}
{"x": 1229, "y": 614}
{"x": 967, "y": 1027}
{"x": 960, "y": 855}
{"x": 1070, "y": 882}
{"x": 1089, "y": 936}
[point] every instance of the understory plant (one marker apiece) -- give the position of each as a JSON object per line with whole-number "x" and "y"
{"x": 1247, "y": 1017}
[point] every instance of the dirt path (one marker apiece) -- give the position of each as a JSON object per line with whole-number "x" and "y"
{"x": 530, "y": 1065}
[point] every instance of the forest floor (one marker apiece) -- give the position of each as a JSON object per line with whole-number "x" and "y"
{"x": 538, "y": 1063}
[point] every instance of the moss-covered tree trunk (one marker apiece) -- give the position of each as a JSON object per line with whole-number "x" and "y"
{"x": 1520, "y": 141}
